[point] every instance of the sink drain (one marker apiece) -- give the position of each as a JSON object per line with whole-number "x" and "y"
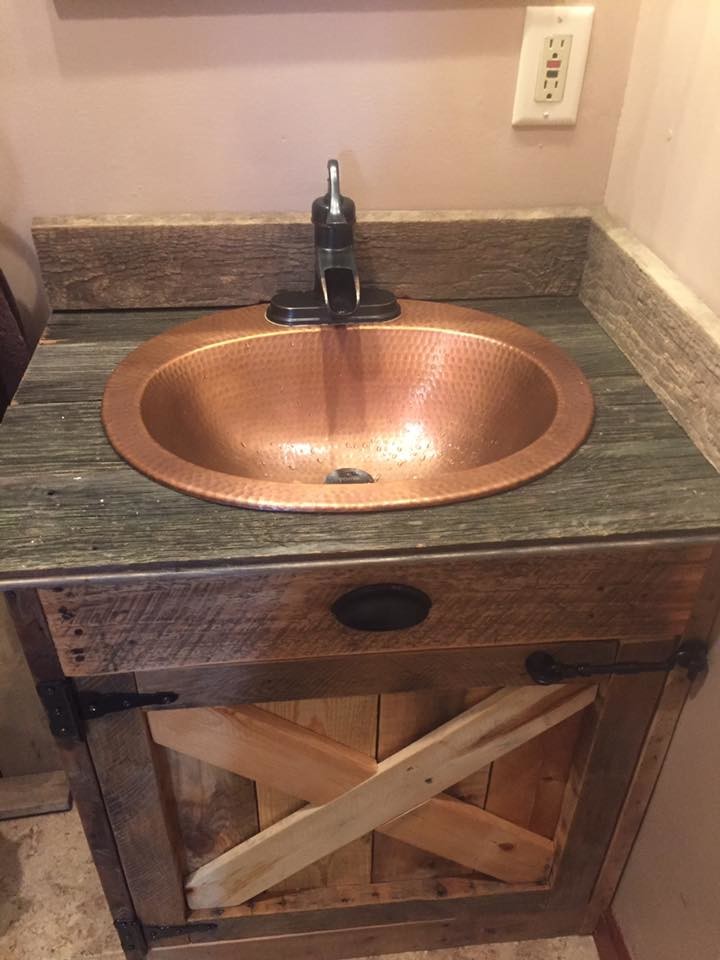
{"x": 348, "y": 475}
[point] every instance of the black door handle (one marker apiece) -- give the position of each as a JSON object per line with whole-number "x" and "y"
{"x": 382, "y": 606}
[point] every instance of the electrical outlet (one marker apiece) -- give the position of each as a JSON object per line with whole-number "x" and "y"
{"x": 552, "y": 65}
{"x": 553, "y": 68}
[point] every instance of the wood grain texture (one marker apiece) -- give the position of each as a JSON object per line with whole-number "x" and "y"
{"x": 351, "y": 721}
{"x": 259, "y": 616}
{"x": 362, "y": 904}
{"x": 435, "y": 671}
{"x": 527, "y": 786}
{"x": 404, "y": 781}
{"x": 33, "y": 794}
{"x": 138, "y": 807}
{"x": 652, "y": 757}
{"x": 215, "y": 808}
{"x": 403, "y": 718}
{"x": 306, "y": 764}
{"x": 72, "y": 508}
{"x": 37, "y": 645}
{"x": 389, "y": 938}
{"x": 669, "y": 334}
{"x": 592, "y": 805}
{"x": 26, "y": 744}
{"x": 125, "y": 262}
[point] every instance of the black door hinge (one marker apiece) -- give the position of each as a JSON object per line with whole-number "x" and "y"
{"x": 130, "y": 934}
{"x": 155, "y": 933}
{"x": 546, "y": 669}
{"x": 136, "y": 936}
{"x": 69, "y": 709}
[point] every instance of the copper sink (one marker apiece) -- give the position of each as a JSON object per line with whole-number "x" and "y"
{"x": 442, "y": 404}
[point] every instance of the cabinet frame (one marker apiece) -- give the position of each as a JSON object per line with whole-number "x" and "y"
{"x": 634, "y": 721}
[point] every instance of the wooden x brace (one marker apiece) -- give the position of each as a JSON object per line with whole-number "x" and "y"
{"x": 349, "y": 794}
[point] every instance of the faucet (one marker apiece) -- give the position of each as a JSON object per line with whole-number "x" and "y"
{"x": 337, "y": 297}
{"x": 336, "y": 274}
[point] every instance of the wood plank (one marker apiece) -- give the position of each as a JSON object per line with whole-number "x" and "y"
{"x": 296, "y": 760}
{"x": 527, "y": 785}
{"x": 103, "y": 262}
{"x": 624, "y": 711}
{"x": 609, "y": 941}
{"x": 33, "y": 794}
{"x": 351, "y": 721}
{"x": 670, "y": 335}
{"x": 26, "y": 744}
{"x": 404, "y": 718}
{"x": 702, "y": 625}
{"x": 654, "y": 482}
{"x": 37, "y": 645}
{"x": 358, "y": 904}
{"x": 268, "y": 615}
{"x": 434, "y": 671}
{"x": 407, "y": 779}
{"x": 66, "y": 365}
{"x": 654, "y": 751}
{"x": 216, "y": 809}
{"x": 389, "y": 938}
{"x": 139, "y": 808}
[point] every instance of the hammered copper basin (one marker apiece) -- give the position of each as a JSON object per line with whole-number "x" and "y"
{"x": 442, "y": 404}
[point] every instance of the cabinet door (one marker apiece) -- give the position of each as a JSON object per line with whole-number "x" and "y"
{"x": 444, "y": 789}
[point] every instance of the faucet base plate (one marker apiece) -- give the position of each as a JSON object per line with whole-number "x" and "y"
{"x": 291, "y": 307}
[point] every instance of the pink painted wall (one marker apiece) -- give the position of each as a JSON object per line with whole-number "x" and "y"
{"x": 228, "y": 105}
{"x": 665, "y": 176}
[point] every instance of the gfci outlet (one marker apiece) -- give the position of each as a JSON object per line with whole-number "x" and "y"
{"x": 552, "y": 65}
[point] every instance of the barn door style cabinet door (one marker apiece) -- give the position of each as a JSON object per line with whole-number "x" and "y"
{"x": 334, "y": 792}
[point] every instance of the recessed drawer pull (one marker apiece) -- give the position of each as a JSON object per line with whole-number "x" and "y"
{"x": 382, "y": 606}
{"x": 546, "y": 669}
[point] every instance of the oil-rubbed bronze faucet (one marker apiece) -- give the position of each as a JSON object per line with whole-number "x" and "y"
{"x": 337, "y": 296}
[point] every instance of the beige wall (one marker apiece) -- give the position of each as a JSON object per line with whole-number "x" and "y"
{"x": 665, "y": 176}
{"x": 194, "y": 105}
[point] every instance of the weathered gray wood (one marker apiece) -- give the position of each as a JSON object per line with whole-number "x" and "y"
{"x": 264, "y": 615}
{"x": 133, "y": 261}
{"x": 671, "y": 336}
{"x": 42, "y": 659}
{"x": 33, "y": 794}
{"x": 71, "y": 506}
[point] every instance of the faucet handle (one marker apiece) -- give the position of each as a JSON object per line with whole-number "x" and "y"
{"x": 333, "y": 208}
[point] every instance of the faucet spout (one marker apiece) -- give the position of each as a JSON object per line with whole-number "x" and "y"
{"x": 338, "y": 281}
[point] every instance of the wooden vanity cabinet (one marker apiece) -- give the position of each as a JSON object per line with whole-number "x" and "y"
{"x": 318, "y": 791}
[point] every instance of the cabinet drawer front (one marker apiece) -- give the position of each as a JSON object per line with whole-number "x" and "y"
{"x": 632, "y": 592}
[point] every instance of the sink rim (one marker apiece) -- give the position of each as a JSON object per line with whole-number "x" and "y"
{"x": 127, "y": 432}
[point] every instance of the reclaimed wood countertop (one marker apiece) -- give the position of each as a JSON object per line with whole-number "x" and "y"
{"x": 72, "y": 509}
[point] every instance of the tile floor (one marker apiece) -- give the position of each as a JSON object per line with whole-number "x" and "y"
{"x": 52, "y": 908}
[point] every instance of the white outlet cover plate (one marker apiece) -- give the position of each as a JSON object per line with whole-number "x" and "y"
{"x": 541, "y": 23}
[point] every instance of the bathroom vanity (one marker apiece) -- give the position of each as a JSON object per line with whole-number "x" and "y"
{"x": 203, "y": 688}
{"x": 305, "y": 734}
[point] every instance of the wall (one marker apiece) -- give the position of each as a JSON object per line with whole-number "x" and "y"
{"x": 113, "y": 106}
{"x": 665, "y": 177}
{"x": 665, "y": 185}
